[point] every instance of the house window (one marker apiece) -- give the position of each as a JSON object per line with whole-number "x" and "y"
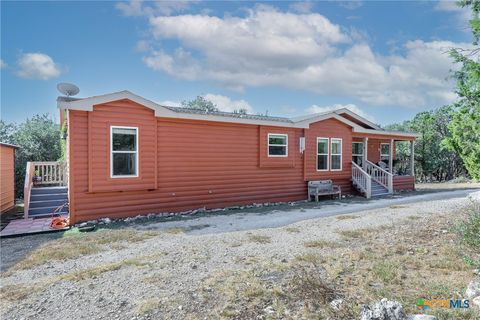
{"x": 124, "y": 152}
{"x": 277, "y": 145}
{"x": 336, "y": 154}
{"x": 385, "y": 152}
{"x": 357, "y": 153}
{"x": 322, "y": 154}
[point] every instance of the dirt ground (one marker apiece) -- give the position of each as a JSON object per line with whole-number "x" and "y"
{"x": 398, "y": 251}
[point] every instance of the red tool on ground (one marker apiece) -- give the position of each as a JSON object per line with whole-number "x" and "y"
{"x": 59, "y": 222}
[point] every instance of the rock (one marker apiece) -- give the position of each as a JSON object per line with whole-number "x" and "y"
{"x": 473, "y": 289}
{"x": 269, "y": 310}
{"x": 106, "y": 220}
{"x": 421, "y": 317}
{"x": 383, "y": 310}
{"x": 476, "y": 302}
{"x": 336, "y": 304}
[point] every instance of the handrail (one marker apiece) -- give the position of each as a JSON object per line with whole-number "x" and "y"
{"x": 377, "y": 166}
{"x": 362, "y": 179}
{"x": 50, "y": 172}
{"x": 27, "y": 187}
{"x": 44, "y": 173}
{"x": 380, "y": 175}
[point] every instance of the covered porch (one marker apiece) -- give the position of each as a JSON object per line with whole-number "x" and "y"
{"x": 377, "y": 167}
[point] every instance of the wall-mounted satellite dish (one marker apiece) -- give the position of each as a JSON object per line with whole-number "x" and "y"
{"x": 68, "y": 89}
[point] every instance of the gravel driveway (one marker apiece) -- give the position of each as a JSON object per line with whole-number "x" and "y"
{"x": 284, "y": 215}
{"x": 164, "y": 270}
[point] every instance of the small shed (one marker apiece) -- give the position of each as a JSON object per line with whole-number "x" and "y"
{"x": 7, "y": 176}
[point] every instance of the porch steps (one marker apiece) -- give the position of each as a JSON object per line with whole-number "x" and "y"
{"x": 378, "y": 189}
{"x": 44, "y": 201}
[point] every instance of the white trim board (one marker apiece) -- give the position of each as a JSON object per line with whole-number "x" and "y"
{"x": 87, "y": 104}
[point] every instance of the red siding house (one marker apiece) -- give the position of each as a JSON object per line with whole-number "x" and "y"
{"x": 7, "y": 176}
{"x": 129, "y": 156}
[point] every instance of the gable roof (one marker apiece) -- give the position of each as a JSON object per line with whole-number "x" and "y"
{"x": 358, "y": 123}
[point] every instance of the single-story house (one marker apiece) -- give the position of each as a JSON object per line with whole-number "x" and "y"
{"x": 127, "y": 155}
{"x": 7, "y": 176}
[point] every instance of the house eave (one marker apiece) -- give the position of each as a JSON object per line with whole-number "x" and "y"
{"x": 87, "y": 104}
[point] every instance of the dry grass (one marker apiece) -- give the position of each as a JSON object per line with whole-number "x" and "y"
{"x": 177, "y": 230}
{"x": 97, "y": 271}
{"x": 293, "y": 230}
{"x": 414, "y": 217}
{"x": 320, "y": 244}
{"x": 355, "y": 233}
{"x": 347, "y": 217}
{"x": 300, "y": 286}
{"x": 147, "y": 306}
{"x": 259, "y": 238}
{"x": 398, "y": 206}
{"x": 80, "y": 244}
{"x": 413, "y": 261}
{"x": 19, "y": 292}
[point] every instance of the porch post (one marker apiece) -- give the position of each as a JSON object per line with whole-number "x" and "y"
{"x": 412, "y": 158}
{"x": 365, "y": 152}
{"x": 390, "y": 158}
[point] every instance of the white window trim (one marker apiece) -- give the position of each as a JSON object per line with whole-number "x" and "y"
{"x": 323, "y": 154}
{"x": 137, "y": 160}
{"x": 384, "y": 155}
{"x": 277, "y": 145}
{"x": 358, "y": 154}
{"x": 337, "y": 154}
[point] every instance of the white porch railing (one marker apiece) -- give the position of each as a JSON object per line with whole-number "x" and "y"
{"x": 27, "y": 187}
{"x": 50, "y": 172}
{"x": 380, "y": 175}
{"x": 362, "y": 180}
{"x": 42, "y": 173}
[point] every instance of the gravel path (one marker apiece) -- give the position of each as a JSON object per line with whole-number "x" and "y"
{"x": 279, "y": 217}
{"x": 170, "y": 269}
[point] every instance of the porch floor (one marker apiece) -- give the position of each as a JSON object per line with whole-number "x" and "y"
{"x": 21, "y": 227}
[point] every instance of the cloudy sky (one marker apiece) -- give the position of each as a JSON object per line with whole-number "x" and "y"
{"x": 385, "y": 60}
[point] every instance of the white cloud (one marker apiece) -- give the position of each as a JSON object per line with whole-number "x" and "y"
{"x": 37, "y": 66}
{"x": 352, "y": 107}
{"x": 224, "y": 103}
{"x": 136, "y": 8}
{"x": 462, "y": 15}
{"x": 268, "y": 47}
{"x": 302, "y": 6}
{"x": 142, "y": 46}
{"x": 169, "y": 103}
{"x": 351, "y": 5}
{"x": 2, "y": 64}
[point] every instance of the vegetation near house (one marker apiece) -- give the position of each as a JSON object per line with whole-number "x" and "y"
{"x": 449, "y": 144}
{"x": 465, "y": 125}
{"x": 200, "y": 103}
{"x": 38, "y": 139}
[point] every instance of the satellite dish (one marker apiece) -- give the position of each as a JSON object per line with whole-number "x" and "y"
{"x": 68, "y": 89}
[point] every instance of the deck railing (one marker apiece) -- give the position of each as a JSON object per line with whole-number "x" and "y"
{"x": 362, "y": 179}
{"x": 27, "y": 187}
{"x": 50, "y": 172}
{"x": 380, "y": 175}
{"x": 41, "y": 174}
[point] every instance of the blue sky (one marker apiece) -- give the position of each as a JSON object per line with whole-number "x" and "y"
{"x": 385, "y": 60}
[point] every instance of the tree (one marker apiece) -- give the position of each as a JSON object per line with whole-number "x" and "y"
{"x": 465, "y": 125}
{"x": 38, "y": 139}
{"x": 240, "y": 111}
{"x": 200, "y": 103}
{"x": 434, "y": 162}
